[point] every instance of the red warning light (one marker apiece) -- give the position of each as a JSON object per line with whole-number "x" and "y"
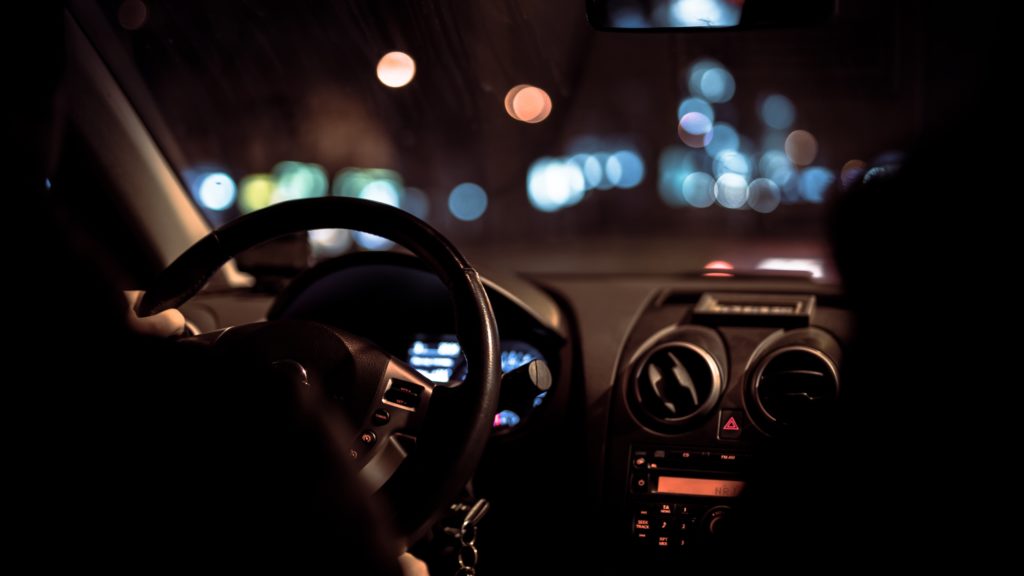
{"x": 731, "y": 425}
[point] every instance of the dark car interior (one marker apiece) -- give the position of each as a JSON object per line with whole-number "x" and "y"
{"x": 428, "y": 314}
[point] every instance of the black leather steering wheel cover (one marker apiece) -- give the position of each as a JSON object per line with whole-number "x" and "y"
{"x": 442, "y": 467}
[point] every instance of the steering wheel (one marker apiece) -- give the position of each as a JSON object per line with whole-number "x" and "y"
{"x": 387, "y": 402}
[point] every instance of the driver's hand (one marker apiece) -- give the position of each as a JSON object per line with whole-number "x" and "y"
{"x": 165, "y": 324}
{"x": 412, "y": 566}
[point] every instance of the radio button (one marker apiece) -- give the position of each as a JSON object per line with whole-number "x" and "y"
{"x": 684, "y": 524}
{"x": 640, "y": 483}
{"x": 641, "y": 524}
{"x": 664, "y": 508}
{"x": 684, "y": 509}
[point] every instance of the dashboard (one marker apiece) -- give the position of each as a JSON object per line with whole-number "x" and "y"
{"x": 394, "y": 301}
{"x": 670, "y": 398}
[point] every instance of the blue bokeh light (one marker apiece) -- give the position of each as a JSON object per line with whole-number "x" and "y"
{"x": 467, "y": 201}
{"x": 553, "y": 184}
{"x": 711, "y": 81}
{"x": 731, "y": 162}
{"x": 724, "y": 137}
{"x": 778, "y": 112}
{"x": 216, "y": 191}
{"x": 814, "y": 183}
{"x": 699, "y": 189}
{"x": 631, "y": 168}
{"x": 731, "y": 191}
{"x": 698, "y": 105}
{"x": 764, "y": 195}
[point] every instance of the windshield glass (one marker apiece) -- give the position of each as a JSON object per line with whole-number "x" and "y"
{"x": 519, "y": 132}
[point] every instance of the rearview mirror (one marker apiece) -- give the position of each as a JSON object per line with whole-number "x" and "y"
{"x": 707, "y": 14}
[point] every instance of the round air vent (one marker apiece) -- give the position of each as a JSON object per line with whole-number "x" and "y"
{"x": 675, "y": 383}
{"x": 795, "y": 385}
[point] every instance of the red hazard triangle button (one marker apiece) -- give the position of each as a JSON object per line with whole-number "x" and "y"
{"x": 730, "y": 424}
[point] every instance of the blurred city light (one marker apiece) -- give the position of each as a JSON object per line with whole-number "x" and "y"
{"x": 467, "y": 201}
{"x": 553, "y": 184}
{"x": 415, "y": 202}
{"x": 763, "y": 195}
{"x": 801, "y": 147}
{"x": 718, "y": 269}
{"x": 705, "y": 13}
{"x": 851, "y": 172}
{"x": 698, "y": 105}
{"x": 674, "y": 165}
{"x": 813, "y": 265}
{"x": 731, "y": 191}
{"x": 396, "y": 69}
{"x": 723, "y": 137}
{"x": 376, "y": 184}
{"x": 256, "y": 192}
{"x": 731, "y": 162}
{"x": 528, "y": 104}
{"x": 215, "y": 191}
{"x": 297, "y": 181}
{"x": 631, "y": 168}
{"x": 710, "y": 80}
{"x": 778, "y": 112}
{"x": 699, "y": 189}
{"x": 329, "y": 242}
{"x": 814, "y": 183}
{"x": 695, "y": 130}
{"x": 719, "y": 265}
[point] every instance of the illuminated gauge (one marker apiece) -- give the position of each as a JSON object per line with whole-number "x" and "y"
{"x": 440, "y": 359}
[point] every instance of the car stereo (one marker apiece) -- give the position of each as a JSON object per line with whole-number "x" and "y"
{"x": 681, "y": 499}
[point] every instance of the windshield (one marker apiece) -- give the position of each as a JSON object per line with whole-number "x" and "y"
{"x": 519, "y": 132}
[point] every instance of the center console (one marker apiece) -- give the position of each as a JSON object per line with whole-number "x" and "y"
{"x": 705, "y": 383}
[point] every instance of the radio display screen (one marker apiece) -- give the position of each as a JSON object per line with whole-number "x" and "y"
{"x": 699, "y": 487}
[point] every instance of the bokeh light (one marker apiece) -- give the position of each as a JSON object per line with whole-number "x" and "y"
{"x": 553, "y": 184}
{"x": 695, "y": 130}
{"x": 376, "y": 184}
{"x": 467, "y": 201}
{"x": 699, "y": 189}
{"x": 632, "y": 168}
{"x": 215, "y": 191}
{"x": 814, "y": 183}
{"x": 777, "y": 112}
{"x": 764, "y": 195}
{"x": 723, "y": 138}
{"x": 719, "y": 265}
{"x": 255, "y": 192}
{"x": 801, "y": 147}
{"x": 711, "y": 81}
{"x": 704, "y": 13}
{"x": 329, "y": 242}
{"x": 813, "y": 265}
{"x": 396, "y": 69}
{"x": 415, "y": 202}
{"x": 731, "y": 162}
{"x": 731, "y": 191}
{"x": 851, "y": 172}
{"x": 297, "y": 180}
{"x": 528, "y": 103}
{"x": 674, "y": 164}
{"x": 593, "y": 169}
{"x": 698, "y": 105}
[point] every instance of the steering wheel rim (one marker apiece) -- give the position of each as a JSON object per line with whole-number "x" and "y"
{"x": 457, "y": 426}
